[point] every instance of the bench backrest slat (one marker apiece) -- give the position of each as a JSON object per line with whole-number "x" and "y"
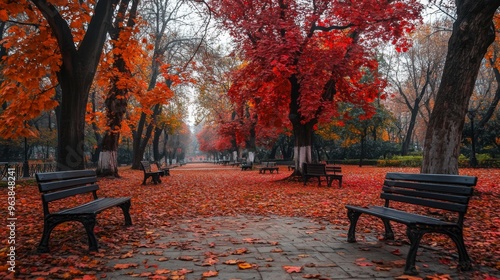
{"x": 146, "y": 166}
{"x": 423, "y": 186}
{"x": 435, "y": 178}
{"x": 58, "y": 185}
{"x": 334, "y": 169}
{"x": 314, "y": 168}
{"x": 455, "y": 207}
{"x": 63, "y": 184}
{"x": 424, "y": 194}
{"x": 439, "y": 191}
{"x": 63, "y": 175}
{"x": 48, "y": 197}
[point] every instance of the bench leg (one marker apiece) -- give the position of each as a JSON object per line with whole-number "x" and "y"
{"x": 48, "y": 225}
{"x": 156, "y": 178}
{"x": 389, "y": 234}
{"x": 415, "y": 235}
{"x": 464, "y": 262}
{"x": 51, "y": 222}
{"x": 329, "y": 181}
{"x": 145, "y": 178}
{"x": 89, "y": 224}
{"x": 353, "y": 219}
{"x": 126, "y": 212}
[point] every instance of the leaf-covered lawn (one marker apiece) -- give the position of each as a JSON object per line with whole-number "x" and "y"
{"x": 194, "y": 191}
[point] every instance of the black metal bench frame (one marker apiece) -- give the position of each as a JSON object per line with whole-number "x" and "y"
{"x": 165, "y": 170}
{"x": 317, "y": 170}
{"x": 155, "y": 175}
{"x": 336, "y": 172}
{"x": 268, "y": 166}
{"x": 66, "y": 184}
{"x": 448, "y": 193}
{"x": 246, "y": 165}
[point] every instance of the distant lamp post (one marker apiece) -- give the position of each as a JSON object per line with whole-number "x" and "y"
{"x": 473, "y": 159}
{"x": 26, "y": 167}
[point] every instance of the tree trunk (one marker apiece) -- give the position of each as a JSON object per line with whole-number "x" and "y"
{"x": 117, "y": 99}
{"x": 75, "y": 77}
{"x": 108, "y": 163}
{"x": 302, "y": 132}
{"x": 473, "y": 32}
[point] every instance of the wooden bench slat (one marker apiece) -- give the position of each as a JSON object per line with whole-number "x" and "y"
{"x": 48, "y": 197}
{"x": 443, "y": 188}
{"x": 426, "y": 202}
{"x": 94, "y": 206}
{"x": 56, "y": 185}
{"x": 427, "y": 194}
{"x": 399, "y": 216}
{"x": 52, "y": 176}
{"x": 436, "y": 178}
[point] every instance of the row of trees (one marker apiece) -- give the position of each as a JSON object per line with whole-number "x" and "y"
{"x": 107, "y": 71}
{"x": 297, "y": 66}
{"x": 307, "y": 65}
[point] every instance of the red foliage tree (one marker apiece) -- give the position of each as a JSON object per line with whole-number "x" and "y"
{"x": 302, "y": 56}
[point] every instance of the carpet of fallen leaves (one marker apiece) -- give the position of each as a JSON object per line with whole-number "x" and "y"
{"x": 206, "y": 190}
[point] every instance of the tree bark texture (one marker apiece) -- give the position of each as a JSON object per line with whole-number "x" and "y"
{"x": 75, "y": 77}
{"x": 302, "y": 132}
{"x": 473, "y": 32}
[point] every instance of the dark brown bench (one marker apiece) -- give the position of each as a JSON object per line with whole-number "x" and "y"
{"x": 317, "y": 170}
{"x": 148, "y": 172}
{"x": 246, "y": 166}
{"x": 449, "y": 194}
{"x": 165, "y": 170}
{"x": 336, "y": 171}
{"x": 68, "y": 184}
{"x": 268, "y": 166}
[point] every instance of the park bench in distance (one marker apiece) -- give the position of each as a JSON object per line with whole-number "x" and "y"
{"x": 271, "y": 166}
{"x": 155, "y": 175}
{"x": 448, "y": 193}
{"x": 317, "y": 170}
{"x": 68, "y": 184}
{"x": 246, "y": 165}
{"x": 164, "y": 169}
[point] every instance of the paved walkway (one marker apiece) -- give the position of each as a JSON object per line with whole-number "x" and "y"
{"x": 264, "y": 247}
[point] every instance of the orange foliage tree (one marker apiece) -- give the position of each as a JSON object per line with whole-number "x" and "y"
{"x": 52, "y": 44}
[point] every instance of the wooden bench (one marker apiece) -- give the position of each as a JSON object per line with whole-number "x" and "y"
{"x": 155, "y": 175}
{"x": 165, "y": 170}
{"x": 271, "y": 166}
{"x": 317, "y": 170}
{"x": 246, "y": 165}
{"x": 448, "y": 194}
{"x": 336, "y": 171}
{"x": 68, "y": 184}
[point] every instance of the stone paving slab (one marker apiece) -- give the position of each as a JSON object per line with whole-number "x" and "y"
{"x": 193, "y": 247}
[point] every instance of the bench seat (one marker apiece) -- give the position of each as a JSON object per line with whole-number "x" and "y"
{"x": 268, "y": 166}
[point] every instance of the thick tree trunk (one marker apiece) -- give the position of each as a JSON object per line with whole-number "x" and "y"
{"x": 473, "y": 32}
{"x": 75, "y": 77}
{"x": 302, "y": 132}
{"x": 108, "y": 164}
